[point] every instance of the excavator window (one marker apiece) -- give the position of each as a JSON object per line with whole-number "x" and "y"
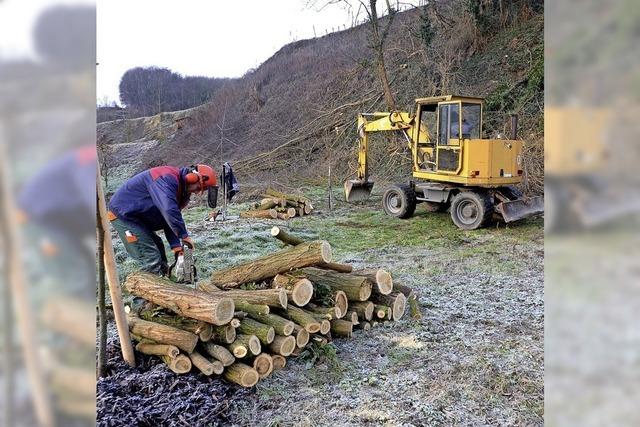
{"x": 449, "y": 123}
{"x": 471, "y": 114}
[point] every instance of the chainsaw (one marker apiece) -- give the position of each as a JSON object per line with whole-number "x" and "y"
{"x": 183, "y": 270}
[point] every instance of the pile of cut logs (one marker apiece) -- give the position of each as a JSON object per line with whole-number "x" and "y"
{"x": 277, "y": 205}
{"x": 246, "y": 319}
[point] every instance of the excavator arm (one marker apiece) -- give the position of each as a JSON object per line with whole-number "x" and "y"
{"x": 360, "y": 188}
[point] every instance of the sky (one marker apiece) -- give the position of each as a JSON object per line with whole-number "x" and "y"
{"x": 200, "y": 37}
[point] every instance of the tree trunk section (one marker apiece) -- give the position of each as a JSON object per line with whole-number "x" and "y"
{"x": 224, "y": 334}
{"x": 271, "y": 297}
{"x": 301, "y": 317}
{"x": 242, "y": 374}
{"x": 158, "y": 349}
{"x": 283, "y": 346}
{"x": 252, "y": 309}
{"x": 356, "y": 288}
{"x": 381, "y": 279}
{"x": 340, "y": 268}
{"x": 250, "y": 342}
{"x": 342, "y": 328}
{"x": 352, "y": 317}
{"x": 364, "y": 309}
{"x": 382, "y": 311}
{"x": 299, "y": 289}
{"x": 184, "y": 301}
{"x": 412, "y": 299}
{"x": 279, "y": 361}
{"x": 280, "y": 325}
{"x": 329, "y": 313}
{"x": 301, "y": 335}
{"x": 163, "y": 334}
{"x": 204, "y": 365}
{"x": 263, "y": 364}
{"x": 284, "y": 237}
{"x": 180, "y": 364}
{"x": 204, "y": 330}
{"x": 220, "y": 353}
{"x": 268, "y": 266}
{"x": 395, "y": 300}
{"x": 265, "y": 333}
{"x": 267, "y": 214}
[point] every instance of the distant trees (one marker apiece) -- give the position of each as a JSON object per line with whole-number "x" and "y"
{"x": 147, "y": 91}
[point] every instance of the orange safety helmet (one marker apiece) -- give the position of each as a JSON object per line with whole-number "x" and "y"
{"x": 203, "y": 175}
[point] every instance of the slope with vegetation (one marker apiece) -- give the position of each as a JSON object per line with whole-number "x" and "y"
{"x": 294, "y": 115}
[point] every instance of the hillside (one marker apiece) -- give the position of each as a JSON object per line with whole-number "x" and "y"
{"x": 294, "y": 116}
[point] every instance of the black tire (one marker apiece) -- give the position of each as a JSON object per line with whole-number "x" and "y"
{"x": 399, "y": 201}
{"x": 471, "y": 210}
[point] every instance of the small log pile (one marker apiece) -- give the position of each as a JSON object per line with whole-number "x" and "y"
{"x": 245, "y": 320}
{"x": 277, "y": 205}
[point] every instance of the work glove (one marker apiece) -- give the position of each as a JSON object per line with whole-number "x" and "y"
{"x": 188, "y": 243}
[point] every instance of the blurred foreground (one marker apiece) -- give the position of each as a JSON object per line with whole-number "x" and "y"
{"x": 592, "y": 350}
{"x": 47, "y": 214}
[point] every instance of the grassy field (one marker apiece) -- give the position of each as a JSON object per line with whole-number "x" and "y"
{"x": 475, "y": 357}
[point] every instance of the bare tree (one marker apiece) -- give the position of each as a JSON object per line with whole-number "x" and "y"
{"x": 378, "y": 34}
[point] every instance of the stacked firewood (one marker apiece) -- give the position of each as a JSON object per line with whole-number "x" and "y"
{"x": 277, "y": 205}
{"x": 245, "y": 320}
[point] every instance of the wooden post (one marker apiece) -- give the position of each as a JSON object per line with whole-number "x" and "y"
{"x": 20, "y": 293}
{"x": 102, "y": 311}
{"x": 112, "y": 278}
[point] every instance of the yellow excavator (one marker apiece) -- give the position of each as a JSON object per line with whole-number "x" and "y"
{"x": 454, "y": 167}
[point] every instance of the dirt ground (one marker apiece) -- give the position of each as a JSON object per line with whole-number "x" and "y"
{"x": 475, "y": 357}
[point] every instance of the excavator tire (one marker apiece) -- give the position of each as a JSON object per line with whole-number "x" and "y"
{"x": 471, "y": 210}
{"x": 399, "y": 201}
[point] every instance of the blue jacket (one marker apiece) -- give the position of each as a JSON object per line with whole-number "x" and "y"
{"x": 61, "y": 196}
{"x": 153, "y": 200}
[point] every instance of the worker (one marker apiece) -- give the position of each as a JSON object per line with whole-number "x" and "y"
{"x": 57, "y": 205}
{"x": 151, "y": 201}
{"x": 466, "y": 126}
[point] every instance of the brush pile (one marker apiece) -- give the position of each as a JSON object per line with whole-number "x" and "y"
{"x": 245, "y": 320}
{"x": 277, "y": 205}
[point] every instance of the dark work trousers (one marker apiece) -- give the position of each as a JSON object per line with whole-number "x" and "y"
{"x": 143, "y": 245}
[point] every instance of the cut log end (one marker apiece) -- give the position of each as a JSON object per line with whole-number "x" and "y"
{"x": 313, "y": 327}
{"x": 242, "y": 374}
{"x": 282, "y": 296}
{"x": 325, "y": 250}
{"x": 325, "y": 326}
{"x": 302, "y": 337}
{"x": 279, "y": 362}
{"x": 342, "y": 303}
{"x": 384, "y": 282}
{"x": 240, "y": 351}
{"x": 287, "y": 328}
{"x": 283, "y": 346}
{"x": 218, "y": 367}
{"x": 224, "y": 311}
{"x": 254, "y": 345}
{"x": 263, "y": 364}
{"x": 399, "y": 306}
{"x": 302, "y": 292}
{"x": 180, "y": 364}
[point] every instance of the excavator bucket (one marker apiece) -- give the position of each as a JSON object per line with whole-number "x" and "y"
{"x": 525, "y": 207}
{"x": 356, "y": 190}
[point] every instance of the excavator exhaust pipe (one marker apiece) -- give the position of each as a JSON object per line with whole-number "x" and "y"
{"x": 356, "y": 190}
{"x": 526, "y": 207}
